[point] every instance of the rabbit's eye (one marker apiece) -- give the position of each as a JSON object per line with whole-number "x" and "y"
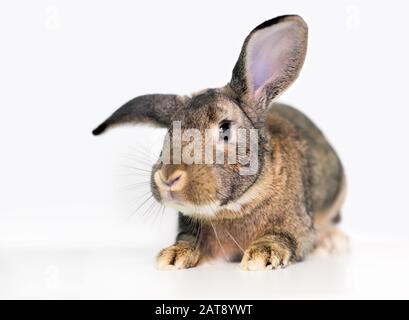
{"x": 224, "y": 131}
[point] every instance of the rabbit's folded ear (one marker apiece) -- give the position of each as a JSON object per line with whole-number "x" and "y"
{"x": 155, "y": 109}
{"x": 270, "y": 60}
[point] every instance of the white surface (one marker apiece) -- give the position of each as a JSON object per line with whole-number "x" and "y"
{"x": 374, "y": 269}
{"x": 66, "y": 65}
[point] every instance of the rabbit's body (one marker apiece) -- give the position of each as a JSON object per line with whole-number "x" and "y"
{"x": 269, "y": 211}
{"x": 328, "y": 186}
{"x": 266, "y": 205}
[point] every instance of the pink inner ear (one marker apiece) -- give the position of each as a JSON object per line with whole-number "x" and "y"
{"x": 269, "y": 52}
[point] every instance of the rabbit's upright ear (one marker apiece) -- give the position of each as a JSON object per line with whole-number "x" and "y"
{"x": 155, "y": 109}
{"x": 270, "y": 60}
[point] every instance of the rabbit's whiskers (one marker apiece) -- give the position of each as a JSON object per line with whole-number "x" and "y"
{"x": 141, "y": 205}
{"x": 218, "y": 241}
{"x": 234, "y": 240}
{"x": 136, "y": 168}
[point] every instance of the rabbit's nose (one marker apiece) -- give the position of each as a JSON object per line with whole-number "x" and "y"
{"x": 174, "y": 182}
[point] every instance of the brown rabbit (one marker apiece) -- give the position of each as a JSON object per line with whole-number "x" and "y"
{"x": 290, "y": 204}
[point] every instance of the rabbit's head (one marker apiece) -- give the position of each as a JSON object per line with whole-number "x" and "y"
{"x": 214, "y": 150}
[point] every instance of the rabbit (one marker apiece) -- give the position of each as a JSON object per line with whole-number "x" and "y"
{"x": 290, "y": 205}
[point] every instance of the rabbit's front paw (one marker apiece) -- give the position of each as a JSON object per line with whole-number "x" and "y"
{"x": 264, "y": 255}
{"x": 179, "y": 256}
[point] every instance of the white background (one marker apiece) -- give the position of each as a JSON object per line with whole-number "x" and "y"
{"x": 66, "y": 223}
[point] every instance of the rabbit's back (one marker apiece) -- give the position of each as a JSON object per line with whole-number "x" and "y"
{"x": 328, "y": 181}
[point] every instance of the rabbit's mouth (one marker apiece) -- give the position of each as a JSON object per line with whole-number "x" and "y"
{"x": 169, "y": 193}
{"x": 168, "y": 198}
{"x": 168, "y": 188}
{"x": 175, "y": 198}
{"x": 200, "y": 211}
